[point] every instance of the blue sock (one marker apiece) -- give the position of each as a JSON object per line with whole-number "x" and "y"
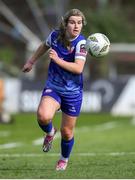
{"x": 46, "y": 128}
{"x": 66, "y": 147}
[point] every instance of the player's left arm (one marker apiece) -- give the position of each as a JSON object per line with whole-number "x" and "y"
{"x": 76, "y": 66}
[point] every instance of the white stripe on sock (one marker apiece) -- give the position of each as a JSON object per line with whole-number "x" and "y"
{"x": 52, "y": 132}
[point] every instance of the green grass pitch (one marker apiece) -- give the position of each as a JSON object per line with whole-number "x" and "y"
{"x": 104, "y": 148}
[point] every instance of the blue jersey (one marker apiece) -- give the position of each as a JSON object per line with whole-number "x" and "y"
{"x": 59, "y": 79}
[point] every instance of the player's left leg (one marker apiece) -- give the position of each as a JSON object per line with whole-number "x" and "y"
{"x": 67, "y": 141}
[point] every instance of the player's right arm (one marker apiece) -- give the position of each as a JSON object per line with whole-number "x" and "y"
{"x": 38, "y": 53}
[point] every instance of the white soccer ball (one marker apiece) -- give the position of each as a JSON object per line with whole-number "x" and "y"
{"x": 98, "y": 45}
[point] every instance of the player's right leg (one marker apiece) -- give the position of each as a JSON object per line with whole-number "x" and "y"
{"x": 49, "y": 104}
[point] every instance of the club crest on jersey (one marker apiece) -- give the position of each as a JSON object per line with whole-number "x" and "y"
{"x": 82, "y": 48}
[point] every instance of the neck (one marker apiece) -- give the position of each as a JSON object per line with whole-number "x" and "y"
{"x": 70, "y": 38}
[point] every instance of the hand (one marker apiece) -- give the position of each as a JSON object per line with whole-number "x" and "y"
{"x": 28, "y": 66}
{"x": 53, "y": 55}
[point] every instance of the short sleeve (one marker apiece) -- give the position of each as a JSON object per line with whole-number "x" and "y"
{"x": 48, "y": 40}
{"x": 81, "y": 52}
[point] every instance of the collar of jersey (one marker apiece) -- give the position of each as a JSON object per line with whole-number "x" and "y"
{"x": 73, "y": 38}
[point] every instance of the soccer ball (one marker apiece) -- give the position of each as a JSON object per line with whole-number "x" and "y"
{"x": 98, "y": 45}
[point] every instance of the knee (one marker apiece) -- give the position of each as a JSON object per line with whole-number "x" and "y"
{"x": 43, "y": 116}
{"x": 66, "y": 133}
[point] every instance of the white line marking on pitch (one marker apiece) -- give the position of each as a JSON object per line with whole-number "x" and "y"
{"x": 133, "y": 120}
{"x": 39, "y": 141}
{"x": 74, "y": 154}
{"x": 10, "y": 145}
{"x": 4, "y": 133}
{"x": 102, "y": 127}
{"x": 106, "y": 126}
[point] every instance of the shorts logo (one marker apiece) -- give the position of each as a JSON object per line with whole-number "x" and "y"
{"x": 72, "y": 109}
{"x": 48, "y": 90}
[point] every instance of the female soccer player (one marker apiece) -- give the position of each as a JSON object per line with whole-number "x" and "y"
{"x": 63, "y": 88}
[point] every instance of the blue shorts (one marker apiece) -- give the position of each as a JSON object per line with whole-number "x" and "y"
{"x": 69, "y": 104}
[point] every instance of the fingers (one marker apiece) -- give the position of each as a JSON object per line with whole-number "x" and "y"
{"x": 26, "y": 70}
{"x": 27, "y": 67}
{"x": 52, "y": 50}
{"x": 53, "y": 54}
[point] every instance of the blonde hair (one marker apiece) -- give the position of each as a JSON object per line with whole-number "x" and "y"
{"x": 64, "y": 21}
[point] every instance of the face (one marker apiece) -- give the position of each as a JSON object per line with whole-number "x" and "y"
{"x": 74, "y": 26}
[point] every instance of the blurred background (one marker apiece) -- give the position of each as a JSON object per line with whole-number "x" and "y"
{"x": 109, "y": 82}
